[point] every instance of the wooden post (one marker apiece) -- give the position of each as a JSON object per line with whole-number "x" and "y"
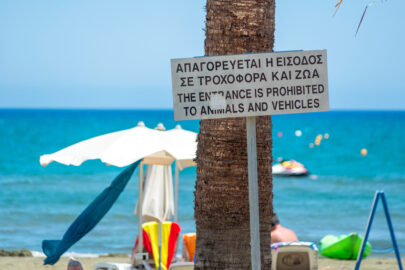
{"x": 253, "y": 193}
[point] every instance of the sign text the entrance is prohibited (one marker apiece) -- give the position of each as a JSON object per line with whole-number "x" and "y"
{"x": 250, "y": 85}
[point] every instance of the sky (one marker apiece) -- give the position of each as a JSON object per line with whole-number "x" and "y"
{"x": 116, "y": 54}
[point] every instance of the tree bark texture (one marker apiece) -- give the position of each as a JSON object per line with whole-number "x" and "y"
{"x": 222, "y": 196}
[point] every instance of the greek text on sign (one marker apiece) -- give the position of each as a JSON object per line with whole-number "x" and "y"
{"x": 250, "y": 85}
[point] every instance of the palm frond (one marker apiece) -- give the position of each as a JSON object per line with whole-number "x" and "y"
{"x": 362, "y": 17}
{"x": 337, "y": 7}
{"x": 358, "y": 27}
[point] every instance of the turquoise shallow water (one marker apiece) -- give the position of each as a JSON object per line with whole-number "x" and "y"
{"x": 40, "y": 203}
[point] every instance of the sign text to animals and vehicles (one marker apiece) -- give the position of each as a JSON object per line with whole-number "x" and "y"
{"x": 250, "y": 85}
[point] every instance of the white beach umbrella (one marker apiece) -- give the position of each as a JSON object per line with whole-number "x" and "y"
{"x": 125, "y": 147}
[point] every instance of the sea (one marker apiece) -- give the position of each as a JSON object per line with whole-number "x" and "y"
{"x": 357, "y": 153}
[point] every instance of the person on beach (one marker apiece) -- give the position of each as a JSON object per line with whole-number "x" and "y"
{"x": 74, "y": 265}
{"x": 280, "y": 233}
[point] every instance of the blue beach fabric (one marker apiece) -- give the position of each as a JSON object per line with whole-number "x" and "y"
{"x": 89, "y": 218}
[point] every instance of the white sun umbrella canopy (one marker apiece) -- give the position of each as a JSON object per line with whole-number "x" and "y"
{"x": 123, "y": 148}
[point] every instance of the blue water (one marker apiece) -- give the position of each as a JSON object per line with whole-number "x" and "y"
{"x": 39, "y": 203}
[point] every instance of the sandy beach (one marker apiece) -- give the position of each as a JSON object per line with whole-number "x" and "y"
{"x": 36, "y": 263}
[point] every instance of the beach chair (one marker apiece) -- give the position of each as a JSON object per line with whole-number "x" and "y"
{"x": 150, "y": 240}
{"x": 188, "y": 247}
{"x": 294, "y": 256}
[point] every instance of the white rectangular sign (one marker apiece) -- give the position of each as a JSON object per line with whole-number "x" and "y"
{"x": 250, "y": 85}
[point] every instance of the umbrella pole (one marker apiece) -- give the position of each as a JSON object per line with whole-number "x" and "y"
{"x": 140, "y": 230}
{"x": 160, "y": 245}
{"x": 176, "y": 188}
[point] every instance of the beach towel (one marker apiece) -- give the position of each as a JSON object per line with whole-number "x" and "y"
{"x": 150, "y": 240}
{"x": 89, "y": 218}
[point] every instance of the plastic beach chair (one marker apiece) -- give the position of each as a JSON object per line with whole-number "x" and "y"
{"x": 294, "y": 255}
{"x": 189, "y": 246}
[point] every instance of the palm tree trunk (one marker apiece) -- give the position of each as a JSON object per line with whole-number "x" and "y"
{"x": 221, "y": 196}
